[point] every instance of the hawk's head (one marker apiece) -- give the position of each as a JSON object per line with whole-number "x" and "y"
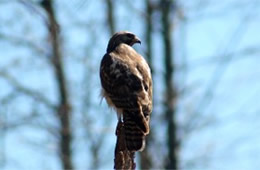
{"x": 122, "y": 37}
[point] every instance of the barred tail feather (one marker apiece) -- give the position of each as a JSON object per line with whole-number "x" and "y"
{"x": 138, "y": 118}
{"x": 134, "y": 136}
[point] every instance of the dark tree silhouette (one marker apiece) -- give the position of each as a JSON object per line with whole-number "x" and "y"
{"x": 170, "y": 95}
{"x": 63, "y": 110}
{"x": 146, "y": 157}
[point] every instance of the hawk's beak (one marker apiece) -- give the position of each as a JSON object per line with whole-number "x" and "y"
{"x": 137, "y": 40}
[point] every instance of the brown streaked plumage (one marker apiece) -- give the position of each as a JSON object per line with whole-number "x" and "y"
{"x": 127, "y": 87}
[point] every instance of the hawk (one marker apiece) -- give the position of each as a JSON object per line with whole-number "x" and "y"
{"x": 127, "y": 87}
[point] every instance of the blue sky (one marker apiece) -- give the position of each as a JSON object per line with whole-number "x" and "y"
{"x": 220, "y": 82}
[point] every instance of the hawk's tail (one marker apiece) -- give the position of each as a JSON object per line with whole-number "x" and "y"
{"x": 134, "y": 136}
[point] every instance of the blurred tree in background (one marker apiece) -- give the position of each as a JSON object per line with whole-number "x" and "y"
{"x": 205, "y": 65}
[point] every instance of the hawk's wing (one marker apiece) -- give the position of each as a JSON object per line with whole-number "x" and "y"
{"x": 118, "y": 80}
{"x": 126, "y": 84}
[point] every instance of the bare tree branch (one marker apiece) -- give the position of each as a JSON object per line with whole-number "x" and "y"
{"x": 21, "y": 41}
{"x": 26, "y": 91}
{"x": 239, "y": 54}
{"x": 219, "y": 71}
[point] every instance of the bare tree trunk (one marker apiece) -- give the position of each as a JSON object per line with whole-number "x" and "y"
{"x": 146, "y": 160}
{"x": 63, "y": 110}
{"x": 124, "y": 159}
{"x": 110, "y": 16}
{"x": 170, "y": 99}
